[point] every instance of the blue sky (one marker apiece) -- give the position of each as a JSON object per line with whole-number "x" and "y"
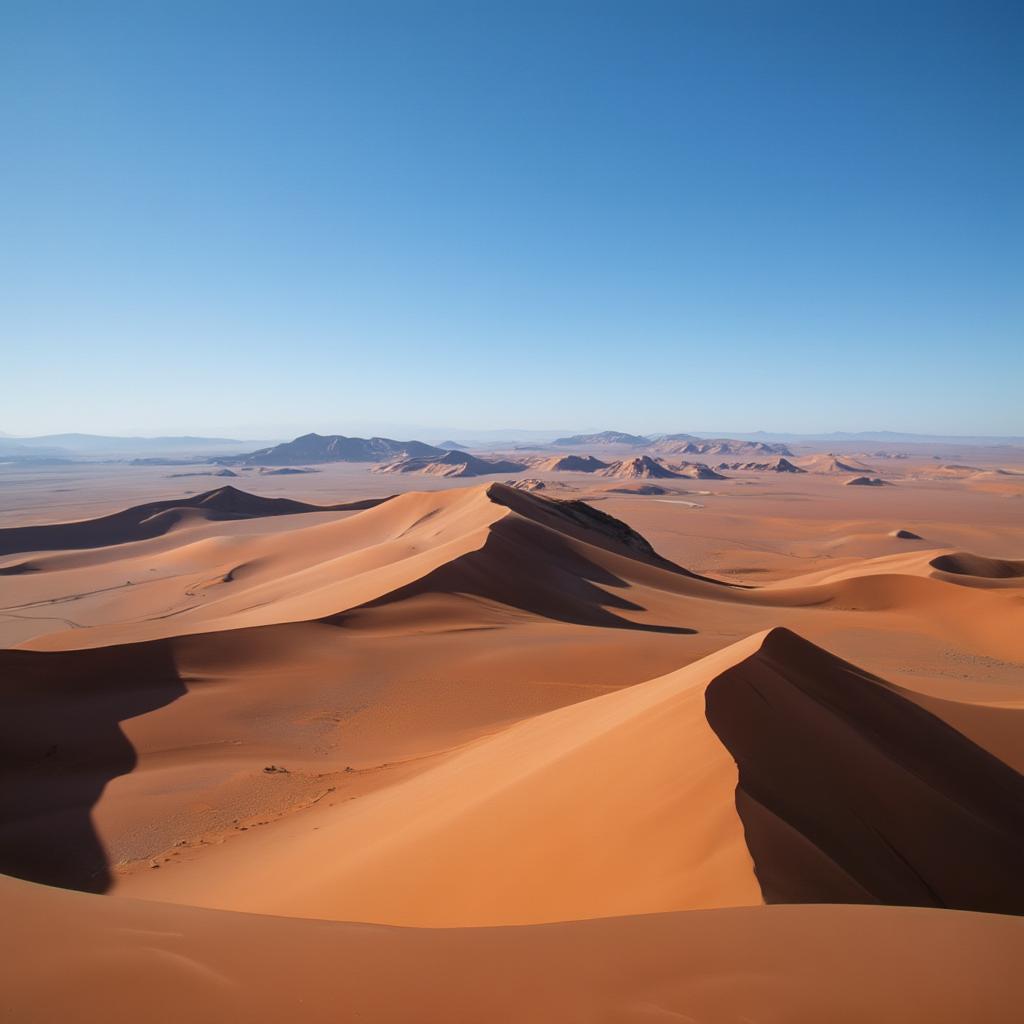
{"x": 266, "y": 218}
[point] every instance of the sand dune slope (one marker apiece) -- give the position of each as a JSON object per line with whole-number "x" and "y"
{"x": 632, "y": 803}
{"x": 154, "y": 519}
{"x": 110, "y": 959}
{"x": 849, "y": 792}
{"x": 962, "y": 563}
{"x": 492, "y": 544}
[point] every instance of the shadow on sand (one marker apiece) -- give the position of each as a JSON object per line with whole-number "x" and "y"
{"x": 61, "y": 743}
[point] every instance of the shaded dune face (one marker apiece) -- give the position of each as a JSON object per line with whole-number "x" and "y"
{"x": 61, "y": 743}
{"x": 154, "y": 519}
{"x": 850, "y": 793}
{"x": 962, "y": 563}
{"x": 547, "y": 559}
{"x": 534, "y": 569}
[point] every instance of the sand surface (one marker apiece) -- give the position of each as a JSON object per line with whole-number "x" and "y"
{"x": 733, "y": 749}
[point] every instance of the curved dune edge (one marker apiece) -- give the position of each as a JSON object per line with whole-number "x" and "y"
{"x": 962, "y": 563}
{"x": 632, "y": 802}
{"x": 850, "y": 793}
{"x": 115, "y": 959}
{"x": 498, "y": 551}
{"x": 155, "y": 518}
{"x": 495, "y": 544}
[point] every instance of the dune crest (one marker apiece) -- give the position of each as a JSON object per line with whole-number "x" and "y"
{"x": 642, "y": 467}
{"x": 851, "y": 793}
{"x": 451, "y": 464}
{"x": 157, "y": 517}
{"x": 771, "y": 770}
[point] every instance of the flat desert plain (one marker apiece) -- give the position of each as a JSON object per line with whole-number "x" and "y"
{"x": 345, "y": 745}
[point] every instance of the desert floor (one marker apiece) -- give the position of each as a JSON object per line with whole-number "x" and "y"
{"x": 735, "y": 751}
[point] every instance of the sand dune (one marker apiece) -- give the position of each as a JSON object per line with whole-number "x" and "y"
{"x": 696, "y": 471}
{"x": 685, "y": 445}
{"x": 851, "y": 793}
{"x": 482, "y": 707}
{"x": 130, "y": 959}
{"x": 570, "y": 464}
{"x": 642, "y": 467}
{"x": 867, "y": 481}
{"x": 962, "y": 563}
{"x": 637, "y": 489}
{"x": 451, "y": 464}
{"x": 156, "y": 518}
{"x": 779, "y": 465}
{"x": 492, "y": 545}
{"x": 483, "y": 556}
{"x": 830, "y": 463}
{"x": 527, "y": 484}
{"x": 846, "y": 791}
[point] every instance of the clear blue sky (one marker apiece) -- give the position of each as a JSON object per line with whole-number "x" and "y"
{"x": 262, "y": 218}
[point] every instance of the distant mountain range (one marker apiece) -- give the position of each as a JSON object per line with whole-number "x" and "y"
{"x": 320, "y": 448}
{"x": 97, "y": 445}
{"x": 604, "y": 437}
{"x": 884, "y": 437}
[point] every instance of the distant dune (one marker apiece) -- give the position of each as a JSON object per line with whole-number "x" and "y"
{"x": 528, "y": 484}
{"x": 156, "y": 518}
{"x": 867, "y": 481}
{"x": 718, "y": 446}
{"x": 637, "y": 489}
{"x": 571, "y": 464}
{"x": 779, "y": 465}
{"x": 453, "y": 464}
{"x": 696, "y": 471}
{"x": 829, "y": 463}
{"x": 206, "y": 472}
{"x": 639, "y": 468}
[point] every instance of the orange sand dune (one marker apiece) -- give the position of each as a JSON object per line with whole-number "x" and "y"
{"x": 846, "y": 792}
{"x": 829, "y": 463}
{"x": 110, "y": 959}
{"x": 560, "y": 560}
{"x": 152, "y": 520}
{"x": 962, "y": 563}
{"x": 479, "y": 706}
{"x": 451, "y": 464}
{"x": 474, "y": 556}
{"x": 570, "y": 464}
{"x": 641, "y": 467}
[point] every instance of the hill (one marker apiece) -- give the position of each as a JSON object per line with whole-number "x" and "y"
{"x": 571, "y": 464}
{"x": 605, "y": 437}
{"x": 867, "y": 481}
{"x": 451, "y": 464}
{"x": 779, "y": 465}
{"x": 696, "y": 471}
{"x": 311, "y": 449}
{"x": 642, "y": 467}
{"x": 718, "y": 446}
